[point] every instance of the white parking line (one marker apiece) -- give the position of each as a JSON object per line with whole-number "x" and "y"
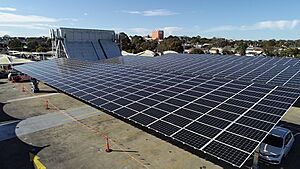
{"x": 8, "y": 122}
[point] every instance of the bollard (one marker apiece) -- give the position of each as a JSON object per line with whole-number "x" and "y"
{"x": 107, "y": 149}
{"x": 23, "y": 88}
{"x": 46, "y": 105}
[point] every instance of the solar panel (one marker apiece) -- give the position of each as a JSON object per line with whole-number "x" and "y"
{"x": 110, "y": 48}
{"x": 266, "y": 70}
{"x": 224, "y": 118}
{"x": 81, "y": 50}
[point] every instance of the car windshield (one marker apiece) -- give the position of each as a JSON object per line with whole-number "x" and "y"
{"x": 273, "y": 140}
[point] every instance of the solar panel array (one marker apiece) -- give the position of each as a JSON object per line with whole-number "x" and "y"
{"x": 267, "y": 70}
{"x": 92, "y": 50}
{"x": 224, "y": 118}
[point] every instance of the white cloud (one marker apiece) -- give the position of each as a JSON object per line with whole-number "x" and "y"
{"x": 31, "y": 21}
{"x": 274, "y": 25}
{"x": 281, "y": 24}
{"x": 29, "y": 26}
{"x": 142, "y": 31}
{"x": 85, "y": 14}
{"x": 133, "y": 12}
{"x": 14, "y": 18}
{"x": 171, "y": 30}
{"x": 7, "y": 9}
{"x": 155, "y": 12}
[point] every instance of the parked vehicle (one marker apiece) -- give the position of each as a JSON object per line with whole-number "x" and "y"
{"x": 276, "y": 145}
{"x": 3, "y": 74}
{"x": 18, "y": 77}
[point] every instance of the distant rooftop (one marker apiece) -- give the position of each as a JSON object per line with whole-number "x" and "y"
{"x": 4, "y": 60}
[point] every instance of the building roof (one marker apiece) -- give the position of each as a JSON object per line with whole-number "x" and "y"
{"x": 146, "y": 53}
{"x": 169, "y": 51}
{"x": 4, "y": 60}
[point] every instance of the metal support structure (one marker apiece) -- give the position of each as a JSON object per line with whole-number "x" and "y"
{"x": 255, "y": 159}
{"x": 57, "y": 44}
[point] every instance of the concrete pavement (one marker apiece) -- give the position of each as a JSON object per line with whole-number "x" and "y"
{"x": 18, "y": 128}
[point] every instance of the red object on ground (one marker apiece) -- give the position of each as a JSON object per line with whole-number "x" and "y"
{"x": 20, "y": 78}
{"x": 107, "y": 149}
{"x": 46, "y": 105}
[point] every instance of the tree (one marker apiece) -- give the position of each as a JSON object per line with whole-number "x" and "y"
{"x": 41, "y": 49}
{"x": 270, "y": 47}
{"x": 125, "y": 42}
{"x": 32, "y": 45}
{"x": 171, "y": 43}
{"x": 15, "y": 44}
{"x": 290, "y": 52}
{"x": 227, "y": 51}
{"x": 241, "y": 49}
{"x": 297, "y": 43}
{"x": 136, "y": 42}
{"x": 149, "y": 45}
{"x": 195, "y": 40}
{"x": 197, "y": 51}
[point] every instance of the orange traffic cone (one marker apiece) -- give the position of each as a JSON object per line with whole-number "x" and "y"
{"x": 107, "y": 149}
{"x": 46, "y": 105}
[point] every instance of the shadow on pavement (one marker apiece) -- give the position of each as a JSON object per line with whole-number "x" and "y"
{"x": 14, "y": 153}
{"x": 3, "y": 116}
{"x": 17, "y": 154}
{"x": 124, "y": 151}
{"x": 297, "y": 103}
{"x": 47, "y": 91}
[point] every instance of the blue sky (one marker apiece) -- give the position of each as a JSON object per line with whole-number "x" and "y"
{"x": 235, "y": 19}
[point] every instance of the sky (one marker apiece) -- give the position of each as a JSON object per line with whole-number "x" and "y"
{"x": 233, "y": 19}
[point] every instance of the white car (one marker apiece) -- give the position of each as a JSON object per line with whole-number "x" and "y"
{"x": 276, "y": 145}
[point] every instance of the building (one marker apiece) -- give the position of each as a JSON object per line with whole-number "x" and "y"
{"x": 158, "y": 35}
{"x": 215, "y": 50}
{"x": 254, "y": 51}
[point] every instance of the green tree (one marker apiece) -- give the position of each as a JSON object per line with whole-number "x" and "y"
{"x": 149, "y": 45}
{"x": 197, "y": 51}
{"x": 290, "y": 52}
{"x": 136, "y": 42}
{"x": 269, "y": 47}
{"x": 41, "y": 49}
{"x": 226, "y": 51}
{"x": 125, "y": 42}
{"x": 170, "y": 43}
{"x": 32, "y": 45}
{"x": 195, "y": 40}
{"x": 15, "y": 44}
{"x": 297, "y": 43}
{"x": 241, "y": 49}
